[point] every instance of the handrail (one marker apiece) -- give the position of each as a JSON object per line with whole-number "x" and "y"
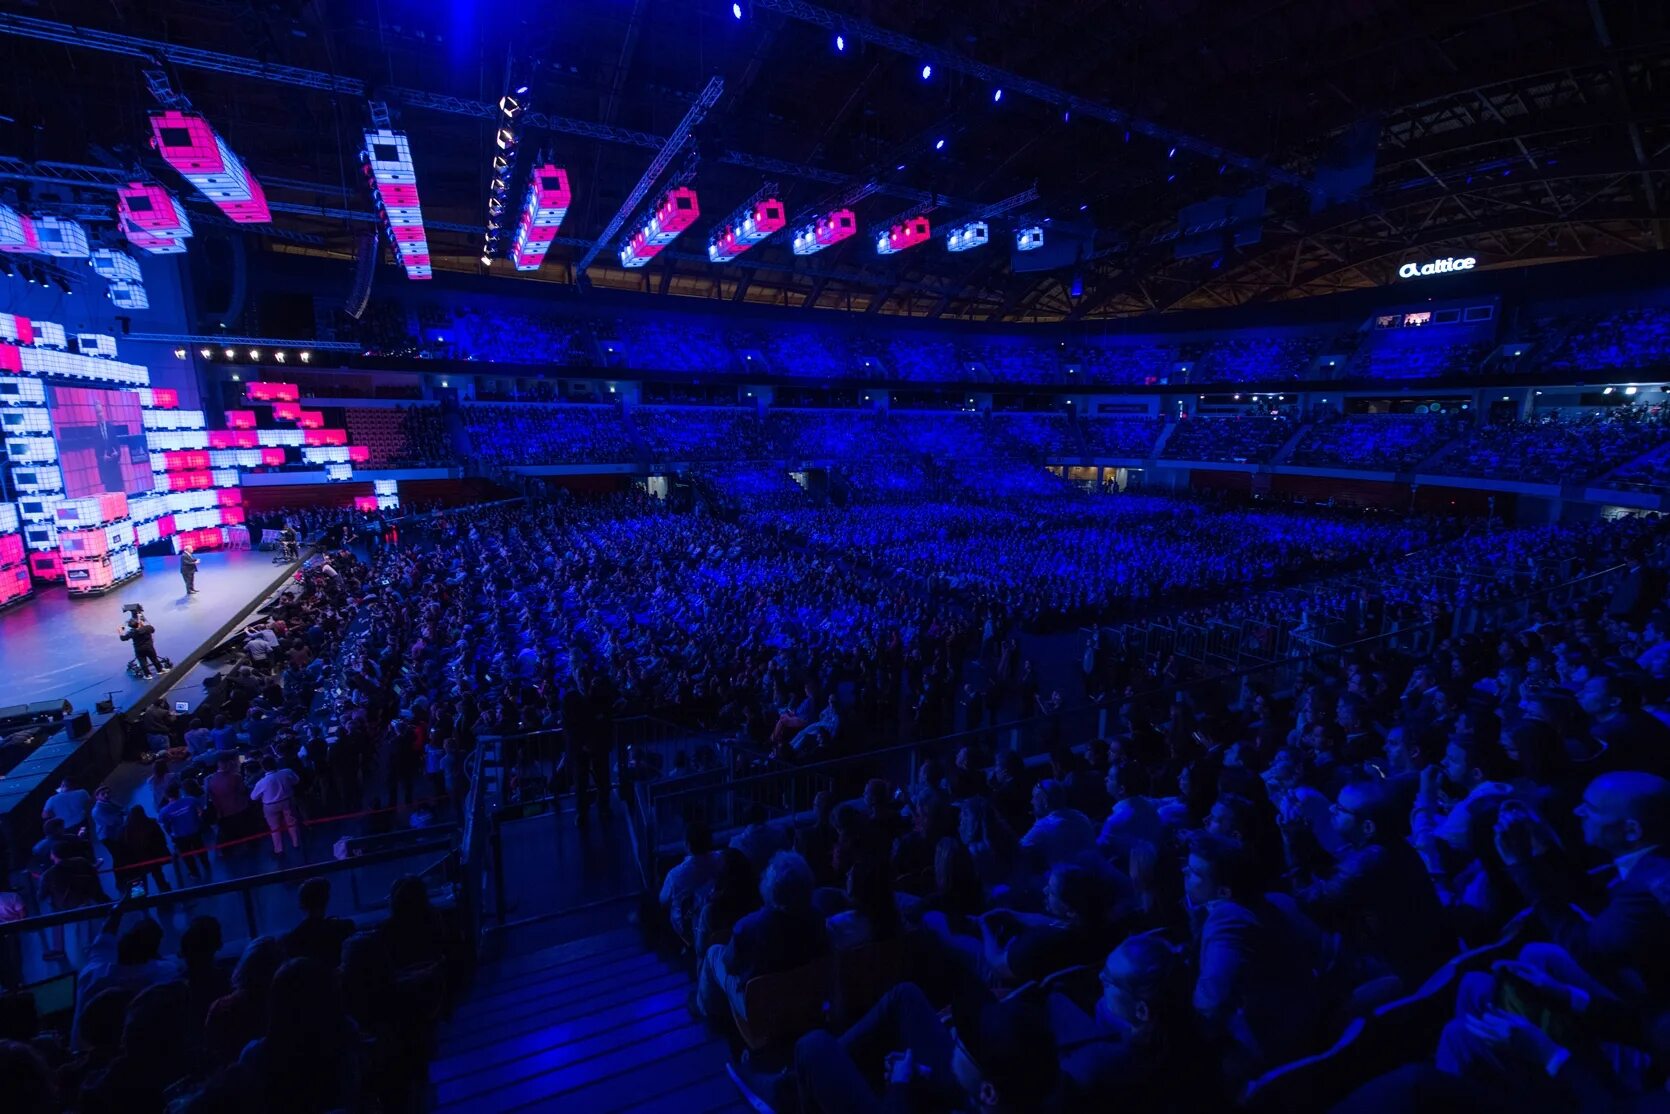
{"x": 832, "y": 765}
{"x": 231, "y": 885}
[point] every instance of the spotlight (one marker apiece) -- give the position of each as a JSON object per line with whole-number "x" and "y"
{"x": 510, "y": 105}
{"x": 230, "y": 354}
{"x": 506, "y": 139}
{"x": 279, "y": 356}
{"x": 179, "y": 353}
{"x": 939, "y": 145}
{"x": 500, "y": 164}
{"x": 997, "y": 95}
{"x": 1077, "y": 289}
{"x": 1171, "y": 154}
{"x": 236, "y": 378}
{"x": 306, "y": 356}
{"x": 486, "y": 261}
{"x": 736, "y": 11}
{"x": 927, "y": 71}
{"x": 255, "y": 353}
{"x": 840, "y": 44}
{"x": 205, "y": 353}
{"x": 500, "y": 186}
{"x": 1066, "y": 116}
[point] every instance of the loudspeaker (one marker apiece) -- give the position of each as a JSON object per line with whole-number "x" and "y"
{"x": 365, "y": 269}
{"x": 81, "y": 725}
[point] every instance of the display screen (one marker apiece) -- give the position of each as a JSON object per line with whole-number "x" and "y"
{"x": 101, "y": 441}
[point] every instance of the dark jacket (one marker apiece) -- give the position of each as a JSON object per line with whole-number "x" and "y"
{"x": 1628, "y": 932}
{"x": 768, "y": 941}
{"x": 1381, "y": 898}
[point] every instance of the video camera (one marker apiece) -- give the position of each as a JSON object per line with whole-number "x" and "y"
{"x": 134, "y": 609}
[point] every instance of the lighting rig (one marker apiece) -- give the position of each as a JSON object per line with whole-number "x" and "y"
{"x": 152, "y": 219}
{"x": 753, "y": 221}
{"x": 676, "y": 211}
{"x": 904, "y": 235}
{"x": 543, "y": 208}
{"x": 121, "y": 271}
{"x": 17, "y": 232}
{"x": 505, "y": 143}
{"x": 393, "y": 180}
{"x": 825, "y": 232}
{"x": 188, "y": 144}
{"x": 61, "y": 237}
{"x": 965, "y": 236}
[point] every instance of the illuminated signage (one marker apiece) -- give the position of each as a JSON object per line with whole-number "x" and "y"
{"x": 1436, "y": 267}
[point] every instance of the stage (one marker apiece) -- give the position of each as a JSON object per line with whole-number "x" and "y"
{"x": 54, "y": 646}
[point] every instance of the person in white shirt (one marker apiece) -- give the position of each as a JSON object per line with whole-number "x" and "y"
{"x": 277, "y": 793}
{"x": 682, "y": 889}
{"x": 1059, "y": 833}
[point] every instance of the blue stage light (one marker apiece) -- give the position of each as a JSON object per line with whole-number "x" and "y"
{"x": 927, "y": 71}
{"x": 840, "y": 43}
{"x": 1171, "y": 154}
{"x": 736, "y": 10}
{"x": 997, "y": 95}
{"x": 939, "y": 145}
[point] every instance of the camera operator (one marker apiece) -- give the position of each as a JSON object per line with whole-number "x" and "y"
{"x": 287, "y": 542}
{"x": 143, "y": 637}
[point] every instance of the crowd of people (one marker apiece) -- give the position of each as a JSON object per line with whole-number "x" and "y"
{"x": 1220, "y": 885}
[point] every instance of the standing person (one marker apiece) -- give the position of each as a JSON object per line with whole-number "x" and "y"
{"x": 181, "y": 816}
{"x": 277, "y": 793}
{"x": 188, "y": 570}
{"x": 143, "y": 636}
{"x": 140, "y": 852}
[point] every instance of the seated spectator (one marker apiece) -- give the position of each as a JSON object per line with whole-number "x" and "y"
{"x": 1060, "y": 833}
{"x": 26, "y": 1080}
{"x": 412, "y": 932}
{"x": 240, "y": 1015}
{"x": 784, "y": 934}
{"x": 689, "y": 878}
{"x": 760, "y": 839}
{"x": 874, "y": 913}
{"x": 306, "y": 1025}
{"x": 997, "y": 1057}
{"x": 130, "y": 962}
{"x": 208, "y": 977}
{"x": 318, "y": 936}
{"x": 1256, "y": 991}
{"x": 1077, "y": 927}
{"x": 734, "y": 895}
{"x": 1374, "y": 890}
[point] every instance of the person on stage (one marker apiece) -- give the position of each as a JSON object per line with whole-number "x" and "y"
{"x": 188, "y": 570}
{"x": 143, "y": 637}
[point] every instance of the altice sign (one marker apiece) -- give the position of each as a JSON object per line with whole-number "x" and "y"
{"x": 1437, "y": 267}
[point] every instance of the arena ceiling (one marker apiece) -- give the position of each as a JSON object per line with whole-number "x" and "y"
{"x": 1514, "y": 131}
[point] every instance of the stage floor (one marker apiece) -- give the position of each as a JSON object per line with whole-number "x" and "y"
{"x": 54, "y": 646}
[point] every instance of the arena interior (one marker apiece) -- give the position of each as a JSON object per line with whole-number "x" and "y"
{"x": 905, "y": 557}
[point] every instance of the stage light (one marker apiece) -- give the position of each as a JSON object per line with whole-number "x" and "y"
{"x": 677, "y": 210}
{"x": 736, "y": 11}
{"x": 1082, "y": 208}
{"x": 840, "y": 44}
{"x": 510, "y": 105}
{"x": 506, "y": 139}
{"x": 1171, "y": 154}
{"x": 826, "y": 231}
{"x": 486, "y": 260}
{"x": 997, "y": 96}
{"x": 906, "y": 234}
{"x": 205, "y": 353}
{"x": 393, "y": 178}
{"x": 543, "y": 208}
{"x": 970, "y": 235}
{"x": 202, "y": 157}
{"x": 1066, "y": 116}
{"x": 255, "y": 353}
{"x": 927, "y": 71}
{"x": 306, "y": 356}
{"x": 236, "y": 378}
{"x": 152, "y": 219}
{"x": 499, "y": 186}
{"x": 230, "y": 354}
{"x": 1077, "y": 289}
{"x": 279, "y": 356}
{"x": 939, "y": 145}
{"x": 753, "y": 222}
{"x": 179, "y": 353}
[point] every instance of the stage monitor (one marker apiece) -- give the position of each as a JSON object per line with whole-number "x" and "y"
{"x": 101, "y": 441}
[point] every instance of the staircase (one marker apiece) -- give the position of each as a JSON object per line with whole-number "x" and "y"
{"x": 1159, "y": 446}
{"x": 597, "y": 1025}
{"x": 1290, "y": 444}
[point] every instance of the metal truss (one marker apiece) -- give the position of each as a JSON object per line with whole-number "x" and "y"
{"x": 663, "y": 158}
{"x": 1038, "y": 90}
